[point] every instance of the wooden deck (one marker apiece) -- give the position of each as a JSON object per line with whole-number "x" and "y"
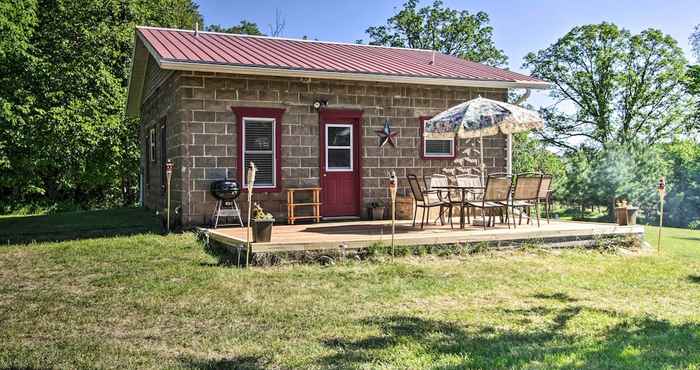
{"x": 361, "y": 234}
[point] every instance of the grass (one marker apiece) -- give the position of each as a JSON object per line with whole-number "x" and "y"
{"x": 149, "y": 301}
{"x": 76, "y": 225}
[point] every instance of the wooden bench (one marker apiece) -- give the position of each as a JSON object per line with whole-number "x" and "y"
{"x": 315, "y": 204}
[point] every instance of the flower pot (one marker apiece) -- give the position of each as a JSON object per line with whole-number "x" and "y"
{"x": 621, "y": 216}
{"x": 376, "y": 213}
{"x": 262, "y": 230}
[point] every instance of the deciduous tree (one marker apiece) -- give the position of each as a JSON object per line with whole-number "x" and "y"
{"x": 436, "y": 27}
{"x": 626, "y": 88}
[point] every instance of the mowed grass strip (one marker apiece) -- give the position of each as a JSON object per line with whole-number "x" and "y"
{"x": 148, "y": 301}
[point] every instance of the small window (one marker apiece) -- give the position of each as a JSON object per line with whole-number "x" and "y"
{"x": 152, "y": 145}
{"x": 259, "y": 147}
{"x": 436, "y": 148}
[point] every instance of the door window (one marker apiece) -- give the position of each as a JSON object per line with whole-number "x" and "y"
{"x": 339, "y": 147}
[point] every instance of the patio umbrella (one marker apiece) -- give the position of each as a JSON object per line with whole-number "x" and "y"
{"x": 483, "y": 117}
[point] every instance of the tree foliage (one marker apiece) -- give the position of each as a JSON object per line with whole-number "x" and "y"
{"x": 64, "y": 71}
{"x": 627, "y": 88}
{"x": 243, "y": 28}
{"x": 683, "y": 199}
{"x": 436, "y": 27}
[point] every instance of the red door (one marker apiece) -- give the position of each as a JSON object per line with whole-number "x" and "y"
{"x": 340, "y": 162}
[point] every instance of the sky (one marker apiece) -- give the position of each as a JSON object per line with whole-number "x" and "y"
{"x": 519, "y": 26}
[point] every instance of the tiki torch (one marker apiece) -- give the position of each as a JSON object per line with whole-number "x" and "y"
{"x": 393, "y": 184}
{"x": 250, "y": 181}
{"x": 168, "y": 176}
{"x": 662, "y": 194}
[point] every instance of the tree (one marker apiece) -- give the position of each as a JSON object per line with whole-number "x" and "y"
{"x": 683, "y": 199}
{"x": 436, "y": 27}
{"x": 695, "y": 42}
{"x": 626, "y": 88}
{"x": 243, "y": 28}
{"x": 531, "y": 155}
{"x": 63, "y": 134}
{"x": 277, "y": 27}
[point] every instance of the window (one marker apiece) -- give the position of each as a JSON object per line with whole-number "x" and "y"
{"x": 259, "y": 132}
{"x": 436, "y": 148}
{"x": 152, "y": 145}
{"x": 163, "y": 154}
{"x": 338, "y": 147}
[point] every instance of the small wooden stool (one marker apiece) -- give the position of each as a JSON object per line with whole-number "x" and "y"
{"x": 315, "y": 204}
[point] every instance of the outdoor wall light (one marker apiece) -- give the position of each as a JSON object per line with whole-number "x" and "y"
{"x": 320, "y": 103}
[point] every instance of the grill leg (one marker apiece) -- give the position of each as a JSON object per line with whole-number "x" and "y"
{"x": 240, "y": 219}
{"x": 218, "y": 208}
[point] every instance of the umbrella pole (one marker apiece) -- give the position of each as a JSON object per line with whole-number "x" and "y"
{"x": 510, "y": 154}
{"x": 481, "y": 153}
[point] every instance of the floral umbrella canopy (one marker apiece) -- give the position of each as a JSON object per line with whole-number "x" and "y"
{"x": 483, "y": 117}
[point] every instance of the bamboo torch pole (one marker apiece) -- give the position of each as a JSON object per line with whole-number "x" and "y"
{"x": 168, "y": 175}
{"x": 250, "y": 181}
{"x": 662, "y": 194}
{"x": 393, "y": 184}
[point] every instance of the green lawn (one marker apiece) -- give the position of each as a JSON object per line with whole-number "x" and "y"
{"x": 148, "y": 301}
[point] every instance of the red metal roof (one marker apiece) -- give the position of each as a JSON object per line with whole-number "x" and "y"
{"x": 183, "y": 46}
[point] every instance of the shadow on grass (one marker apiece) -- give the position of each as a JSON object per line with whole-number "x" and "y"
{"x": 639, "y": 342}
{"x": 77, "y": 225}
{"x": 559, "y": 296}
{"x": 239, "y": 363}
{"x": 691, "y": 238}
{"x": 694, "y": 279}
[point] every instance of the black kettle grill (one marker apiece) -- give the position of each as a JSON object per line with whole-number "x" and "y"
{"x": 226, "y": 192}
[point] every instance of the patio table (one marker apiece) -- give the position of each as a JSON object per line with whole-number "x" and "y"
{"x": 463, "y": 192}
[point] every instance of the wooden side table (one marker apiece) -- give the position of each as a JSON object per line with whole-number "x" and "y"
{"x": 315, "y": 204}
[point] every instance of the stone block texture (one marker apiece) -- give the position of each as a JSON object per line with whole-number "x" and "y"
{"x": 202, "y": 142}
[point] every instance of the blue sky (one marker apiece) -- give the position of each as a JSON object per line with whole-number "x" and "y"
{"x": 519, "y": 26}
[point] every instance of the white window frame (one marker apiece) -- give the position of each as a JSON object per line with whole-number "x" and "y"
{"x": 274, "y": 152}
{"x": 152, "y": 144}
{"x": 437, "y": 155}
{"x": 351, "y": 147}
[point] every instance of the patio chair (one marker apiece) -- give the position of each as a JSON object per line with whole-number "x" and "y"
{"x": 425, "y": 200}
{"x": 496, "y": 193}
{"x": 525, "y": 196}
{"x": 545, "y": 194}
{"x": 438, "y": 195}
{"x": 472, "y": 194}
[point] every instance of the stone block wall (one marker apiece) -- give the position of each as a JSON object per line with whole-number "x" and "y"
{"x": 204, "y": 140}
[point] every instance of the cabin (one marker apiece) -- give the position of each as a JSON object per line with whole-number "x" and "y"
{"x": 308, "y": 113}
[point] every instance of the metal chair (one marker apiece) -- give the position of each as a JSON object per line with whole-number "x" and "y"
{"x": 424, "y": 199}
{"x": 526, "y": 195}
{"x": 496, "y": 192}
{"x": 545, "y": 194}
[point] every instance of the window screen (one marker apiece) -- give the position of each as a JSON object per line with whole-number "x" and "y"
{"x": 259, "y": 148}
{"x": 439, "y": 147}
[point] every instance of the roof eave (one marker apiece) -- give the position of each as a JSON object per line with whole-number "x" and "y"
{"x": 366, "y": 77}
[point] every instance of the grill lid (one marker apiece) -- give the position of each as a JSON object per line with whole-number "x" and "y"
{"x": 225, "y": 189}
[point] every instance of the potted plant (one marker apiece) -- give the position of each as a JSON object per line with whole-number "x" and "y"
{"x": 376, "y": 210}
{"x": 262, "y": 224}
{"x": 626, "y": 213}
